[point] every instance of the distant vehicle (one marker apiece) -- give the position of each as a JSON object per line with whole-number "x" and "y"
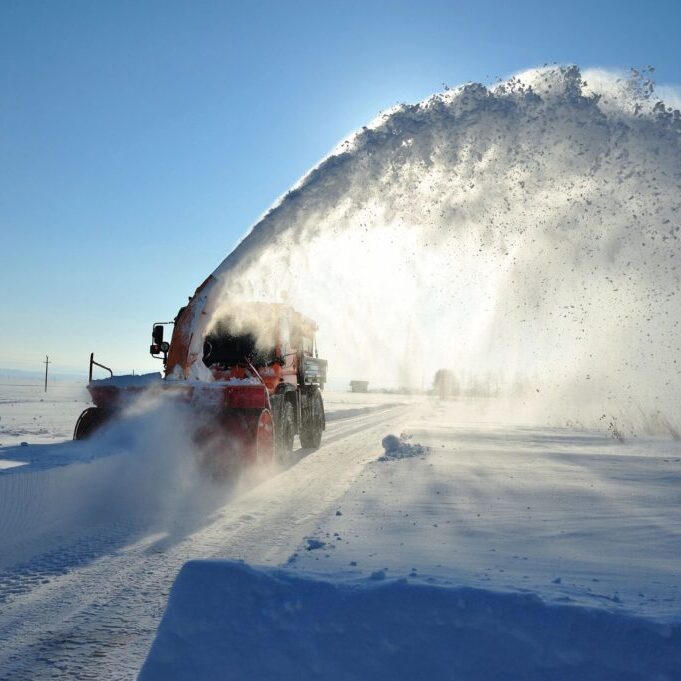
{"x": 260, "y": 383}
{"x": 359, "y": 386}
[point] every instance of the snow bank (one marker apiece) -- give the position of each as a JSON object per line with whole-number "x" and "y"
{"x": 229, "y": 620}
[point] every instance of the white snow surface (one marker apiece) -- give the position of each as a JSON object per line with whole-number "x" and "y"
{"x": 507, "y": 551}
{"x": 509, "y": 506}
{"x": 93, "y": 533}
{"x": 534, "y": 524}
{"x": 29, "y": 414}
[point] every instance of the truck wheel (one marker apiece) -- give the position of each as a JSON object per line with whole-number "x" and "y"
{"x": 286, "y": 431}
{"x": 240, "y": 439}
{"x": 263, "y": 446}
{"x": 88, "y": 422}
{"x": 313, "y": 421}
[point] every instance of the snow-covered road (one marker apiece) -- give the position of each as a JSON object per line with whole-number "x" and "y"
{"x": 94, "y": 534}
{"x": 90, "y": 609}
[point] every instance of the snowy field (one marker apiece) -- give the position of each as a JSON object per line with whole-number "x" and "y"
{"x": 29, "y": 414}
{"x": 494, "y": 532}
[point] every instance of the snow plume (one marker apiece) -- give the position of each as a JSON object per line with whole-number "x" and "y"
{"x": 166, "y": 477}
{"x": 158, "y": 478}
{"x": 137, "y": 474}
{"x": 526, "y": 236}
{"x": 142, "y": 472}
{"x": 175, "y": 462}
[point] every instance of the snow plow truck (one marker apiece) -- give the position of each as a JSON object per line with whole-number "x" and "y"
{"x": 254, "y": 384}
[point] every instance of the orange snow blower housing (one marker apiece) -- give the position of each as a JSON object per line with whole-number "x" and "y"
{"x": 254, "y": 381}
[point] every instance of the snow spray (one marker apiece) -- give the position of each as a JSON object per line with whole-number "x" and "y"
{"x": 524, "y": 236}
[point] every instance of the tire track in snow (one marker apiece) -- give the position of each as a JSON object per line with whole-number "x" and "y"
{"x": 97, "y": 621}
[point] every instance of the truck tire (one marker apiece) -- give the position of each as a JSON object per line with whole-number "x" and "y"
{"x": 312, "y": 421}
{"x": 285, "y": 431}
{"x": 262, "y": 448}
{"x": 238, "y": 440}
{"x": 89, "y": 421}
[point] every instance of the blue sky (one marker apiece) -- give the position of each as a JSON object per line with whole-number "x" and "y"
{"x": 140, "y": 140}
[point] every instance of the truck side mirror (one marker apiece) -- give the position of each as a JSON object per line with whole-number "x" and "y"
{"x": 157, "y": 334}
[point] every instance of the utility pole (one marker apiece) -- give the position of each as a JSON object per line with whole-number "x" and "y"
{"x": 46, "y": 363}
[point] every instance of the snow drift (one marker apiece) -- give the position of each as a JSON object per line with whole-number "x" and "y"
{"x": 524, "y": 235}
{"x": 228, "y": 620}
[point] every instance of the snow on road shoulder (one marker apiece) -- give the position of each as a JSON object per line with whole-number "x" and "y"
{"x": 226, "y": 619}
{"x": 507, "y": 546}
{"x": 139, "y": 470}
{"x": 575, "y": 517}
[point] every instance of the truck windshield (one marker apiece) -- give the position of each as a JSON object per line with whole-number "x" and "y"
{"x": 223, "y": 348}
